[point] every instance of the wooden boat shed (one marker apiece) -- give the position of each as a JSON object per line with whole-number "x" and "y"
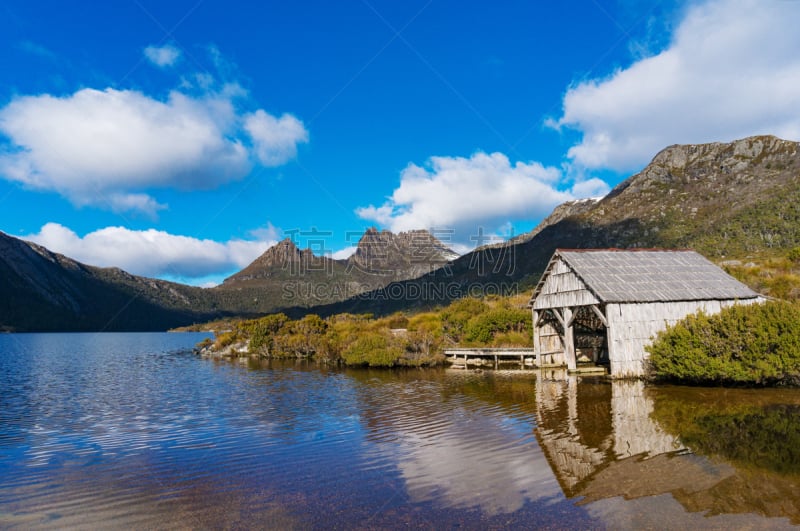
{"x": 606, "y": 305}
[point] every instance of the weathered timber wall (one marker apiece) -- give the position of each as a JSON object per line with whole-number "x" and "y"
{"x": 632, "y": 326}
{"x": 550, "y": 348}
{"x": 562, "y": 289}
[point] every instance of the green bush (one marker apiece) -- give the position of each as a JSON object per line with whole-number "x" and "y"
{"x": 753, "y": 344}
{"x": 484, "y": 327}
{"x": 456, "y": 316}
{"x": 262, "y": 331}
{"x": 373, "y": 349}
{"x": 227, "y": 338}
{"x": 301, "y": 338}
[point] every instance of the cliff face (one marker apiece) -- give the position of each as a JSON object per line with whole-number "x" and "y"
{"x": 400, "y": 256}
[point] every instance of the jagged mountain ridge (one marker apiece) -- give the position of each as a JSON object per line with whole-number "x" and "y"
{"x": 378, "y": 253}
{"x": 283, "y": 257}
{"x": 719, "y": 198}
{"x": 404, "y": 255}
{"x": 286, "y": 276}
{"x": 41, "y": 290}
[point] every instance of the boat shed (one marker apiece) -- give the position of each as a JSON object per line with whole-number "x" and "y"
{"x": 606, "y": 305}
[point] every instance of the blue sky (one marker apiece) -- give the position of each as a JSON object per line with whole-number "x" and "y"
{"x": 181, "y": 139}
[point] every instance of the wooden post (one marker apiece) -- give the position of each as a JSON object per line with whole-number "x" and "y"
{"x": 537, "y": 349}
{"x": 569, "y": 341}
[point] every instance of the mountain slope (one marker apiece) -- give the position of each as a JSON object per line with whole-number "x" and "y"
{"x": 723, "y": 199}
{"x": 41, "y": 291}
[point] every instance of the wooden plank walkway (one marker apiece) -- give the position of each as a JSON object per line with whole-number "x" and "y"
{"x": 461, "y": 357}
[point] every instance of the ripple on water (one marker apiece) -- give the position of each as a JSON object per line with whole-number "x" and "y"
{"x": 131, "y": 430}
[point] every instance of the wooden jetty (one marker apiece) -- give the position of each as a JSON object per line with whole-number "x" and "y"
{"x": 462, "y": 357}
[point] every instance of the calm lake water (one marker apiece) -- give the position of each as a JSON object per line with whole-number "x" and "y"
{"x": 135, "y": 431}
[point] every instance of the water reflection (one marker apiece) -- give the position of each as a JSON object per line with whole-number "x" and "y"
{"x": 130, "y": 431}
{"x": 672, "y": 457}
{"x": 460, "y": 441}
{"x": 585, "y": 427}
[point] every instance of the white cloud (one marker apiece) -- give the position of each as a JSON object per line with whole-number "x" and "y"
{"x": 485, "y": 190}
{"x": 120, "y": 202}
{"x": 162, "y": 56}
{"x": 592, "y": 187}
{"x": 731, "y": 70}
{"x": 275, "y": 139}
{"x": 108, "y": 147}
{"x": 155, "y": 253}
{"x": 344, "y": 254}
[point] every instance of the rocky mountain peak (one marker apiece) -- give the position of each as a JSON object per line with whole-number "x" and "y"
{"x": 734, "y": 155}
{"x": 283, "y": 252}
{"x": 380, "y": 257}
{"x": 283, "y": 258}
{"x": 406, "y": 254}
{"x": 751, "y": 163}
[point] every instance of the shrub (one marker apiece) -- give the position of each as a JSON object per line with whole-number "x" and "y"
{"x": 373, "y": 349}
{"x": 753, "y": 344}
{"x": 207, "y": 342}
{"x": 456, "y": 316}
{"x": 262, "y": 331}
{"x": 483, "y": 328}
{"x": 226, "y": 338}
{"x": 301, "y": 338}
{"x": 398, "y": 320}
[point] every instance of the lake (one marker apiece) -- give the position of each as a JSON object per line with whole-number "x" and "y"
{"x": 135, "y": 431}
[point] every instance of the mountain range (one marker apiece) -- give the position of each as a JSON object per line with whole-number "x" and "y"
{"x": 726, "y": 200}
{"x": 45, "y": 291}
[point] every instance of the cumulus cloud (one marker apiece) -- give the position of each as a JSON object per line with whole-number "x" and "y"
{"x": 155, "y": 253}
{"x": 162, "y": 56}
{"x": 275, "y": 139}
{"x": 109, "y": 147}
{"x": 730, "y": 70}
{"x": 484, "y": 190}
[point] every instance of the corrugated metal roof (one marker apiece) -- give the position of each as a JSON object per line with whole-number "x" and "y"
{"x": 652, "y": 275}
